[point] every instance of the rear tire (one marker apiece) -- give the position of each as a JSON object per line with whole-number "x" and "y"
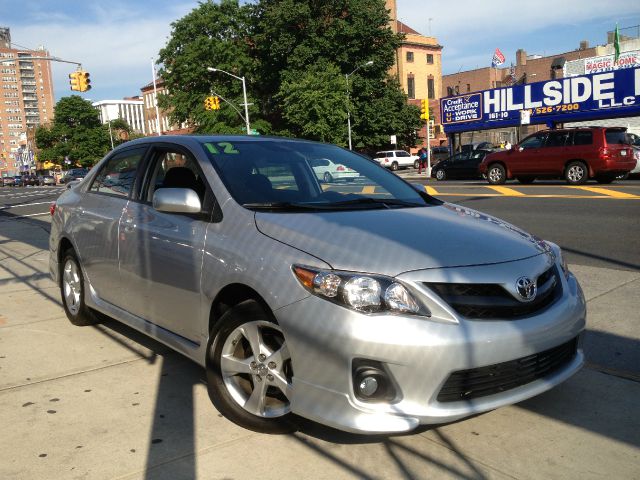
{"x": 73, "y": 292}
{"x": 249, "y": 372}
{"x": 496, "y": 174}
{"x": 327, "y": 177}
{"x": 576, "y": 173}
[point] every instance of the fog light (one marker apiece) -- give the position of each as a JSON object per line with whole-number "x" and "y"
{"x": 368, "y": 386}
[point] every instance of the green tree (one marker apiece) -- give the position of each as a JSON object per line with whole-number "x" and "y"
{"x": 295, "y": 55}
{"x": 212, "y": 35}
{"x": 76, "y": 133}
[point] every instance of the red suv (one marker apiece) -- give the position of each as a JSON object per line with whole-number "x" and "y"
{"x": 575, "y": 154}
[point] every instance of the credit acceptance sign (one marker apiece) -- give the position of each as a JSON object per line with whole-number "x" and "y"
{"x": 586, "y": 97}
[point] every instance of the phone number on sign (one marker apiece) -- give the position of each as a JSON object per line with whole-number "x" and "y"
{"x": 558, "y": 108}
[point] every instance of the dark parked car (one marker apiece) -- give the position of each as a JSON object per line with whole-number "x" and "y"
{"x": 8, "y": 181}
{"x": 573, "y": 154}
{"x": 17, "y": 181}
{"x": 463, "y": 165}
{"x": 29, "y": 180}
{"x": 470, "y": 147}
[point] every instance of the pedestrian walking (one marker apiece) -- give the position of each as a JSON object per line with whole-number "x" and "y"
{"x": 422, "y": 160}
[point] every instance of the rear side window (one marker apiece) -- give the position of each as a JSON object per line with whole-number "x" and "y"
{"x": 116, "y": 177}
{"x": 582, "y": 138}
{"x": 556, "y": 139}
{"x": 616, "y": 137}
{"x": 402, "y": 154}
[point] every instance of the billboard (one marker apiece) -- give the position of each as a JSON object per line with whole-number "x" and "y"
{"x": 587, "y": 97}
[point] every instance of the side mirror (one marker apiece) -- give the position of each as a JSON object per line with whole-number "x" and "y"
{"x": 176, "y": 200}
{"x": 520, "y": 148}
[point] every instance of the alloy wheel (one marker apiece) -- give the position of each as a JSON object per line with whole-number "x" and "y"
{"x": 71, "y": 285}
{"x": 256, "y": 369}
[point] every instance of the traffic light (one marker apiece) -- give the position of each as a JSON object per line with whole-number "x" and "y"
{"x": 84, "y": 82}
{"x": 212, "y": 103}
{"x": 74, "y": 81}
{"x": 424, "y": 109}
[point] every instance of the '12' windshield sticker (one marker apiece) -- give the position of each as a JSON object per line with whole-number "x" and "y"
{"x": 227, "y": 148}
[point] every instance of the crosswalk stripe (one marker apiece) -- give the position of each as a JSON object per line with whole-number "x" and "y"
{"x": 507, "y": 192}
{"x": 606, "y": 191}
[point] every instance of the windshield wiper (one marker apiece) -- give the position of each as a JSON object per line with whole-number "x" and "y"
{"x": 279, "y": 206}
{"x": 382, "y": 202}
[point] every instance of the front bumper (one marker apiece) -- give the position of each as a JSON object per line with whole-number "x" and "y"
{"x": 420, "y": 354}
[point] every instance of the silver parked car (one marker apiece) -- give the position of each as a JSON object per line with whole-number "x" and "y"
{"x": 370, "y": 308}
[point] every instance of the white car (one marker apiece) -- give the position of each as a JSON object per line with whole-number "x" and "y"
{"x": 395, "y": 159}
{"x": 328, "y": 171}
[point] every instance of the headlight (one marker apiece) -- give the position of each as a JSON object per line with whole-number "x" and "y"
{"x": 557, "y": 251}
{"x": 364, "y": 293}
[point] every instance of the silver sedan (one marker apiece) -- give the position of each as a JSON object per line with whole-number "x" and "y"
{"x": 369, "y": 307}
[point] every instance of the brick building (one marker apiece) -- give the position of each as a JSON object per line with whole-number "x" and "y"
{"x": 26, "y": 101}
{"x": 149, "y": 101}
{"x": 419, "y": 69}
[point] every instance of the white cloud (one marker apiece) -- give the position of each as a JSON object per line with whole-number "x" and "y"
{"x": 116, "y": 47}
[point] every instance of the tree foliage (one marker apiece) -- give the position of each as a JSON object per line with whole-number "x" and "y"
{"x": 294, "y": 55}
{"x": 76, "y": 133}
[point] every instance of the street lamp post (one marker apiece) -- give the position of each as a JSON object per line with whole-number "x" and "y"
{"x": 244, "y": 93}
{"x": 346, "y": 78}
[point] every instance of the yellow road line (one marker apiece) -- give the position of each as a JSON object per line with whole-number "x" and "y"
{"x": 471, "y": 194}
{"x": 368, "y": 189}
{"x": 430, "y": 190}
{"x": 606, "y": 191}
{"x": 507, "y": 192}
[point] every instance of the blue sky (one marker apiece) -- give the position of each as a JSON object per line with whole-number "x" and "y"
{"x": 116, "y": 40}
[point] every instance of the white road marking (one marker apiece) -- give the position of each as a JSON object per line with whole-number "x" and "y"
{"x": 25, "y": 205}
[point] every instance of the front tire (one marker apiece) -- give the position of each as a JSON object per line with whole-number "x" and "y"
{"x": 249, "y": 371}
{"x": 576, "y": 173}
{"x": 496, "y": 175}
{"x": 441, "y": 175}
{"x": 394, "y": 166}
{"x": 73, "y": 292}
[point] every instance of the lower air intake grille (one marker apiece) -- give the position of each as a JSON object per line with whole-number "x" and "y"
{"x": 483, "y": 381}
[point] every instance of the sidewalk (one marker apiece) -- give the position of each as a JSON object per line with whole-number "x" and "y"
{"x": 106, "y": 402}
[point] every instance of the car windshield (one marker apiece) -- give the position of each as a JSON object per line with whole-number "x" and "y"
{"x": 285, "y": 175}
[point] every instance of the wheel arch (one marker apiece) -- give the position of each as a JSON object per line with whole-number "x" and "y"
{"x": 232, "y": 295}
{"x": 63, "y": 245}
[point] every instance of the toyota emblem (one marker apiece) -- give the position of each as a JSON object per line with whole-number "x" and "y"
{"x": 526, "y": 288}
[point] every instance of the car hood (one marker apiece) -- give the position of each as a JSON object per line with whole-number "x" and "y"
{"x": 395, "y": 241}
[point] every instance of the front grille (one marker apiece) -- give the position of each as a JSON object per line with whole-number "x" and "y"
{"x": 483, "y": 381}
{"x": 488, "y": 301}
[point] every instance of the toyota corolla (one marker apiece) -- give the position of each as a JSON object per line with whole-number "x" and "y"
{"x": 369, "y": 307}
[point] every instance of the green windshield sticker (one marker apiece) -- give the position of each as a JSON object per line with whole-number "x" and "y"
{"x": 227, "y": 148}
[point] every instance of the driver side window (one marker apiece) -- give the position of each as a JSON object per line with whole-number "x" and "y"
{"x": 534, "y": 141}
{"x": 173, "y": 169}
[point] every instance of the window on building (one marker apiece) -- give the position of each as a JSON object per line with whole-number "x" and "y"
{"x": 411, "y": 87}
{"x": 468, "y": 87}
{"x": 409, "y": 56}
{"x": 431, "y": 89}
{"x": 430, "y": 58}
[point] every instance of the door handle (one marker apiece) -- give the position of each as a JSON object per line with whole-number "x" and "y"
{"x": 129, "y": 226}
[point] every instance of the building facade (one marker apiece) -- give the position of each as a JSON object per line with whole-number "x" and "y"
{"x": 26, "y": 101}
{"x": 131, "y": 110}
{"x": 418, "y": 67}
{"x": 156, "y": 122}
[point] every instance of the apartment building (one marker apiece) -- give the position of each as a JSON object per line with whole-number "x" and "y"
{"x": 419, "y": 69}
{"x": 26, "y": 101}
{"x": 158, "y": 121}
